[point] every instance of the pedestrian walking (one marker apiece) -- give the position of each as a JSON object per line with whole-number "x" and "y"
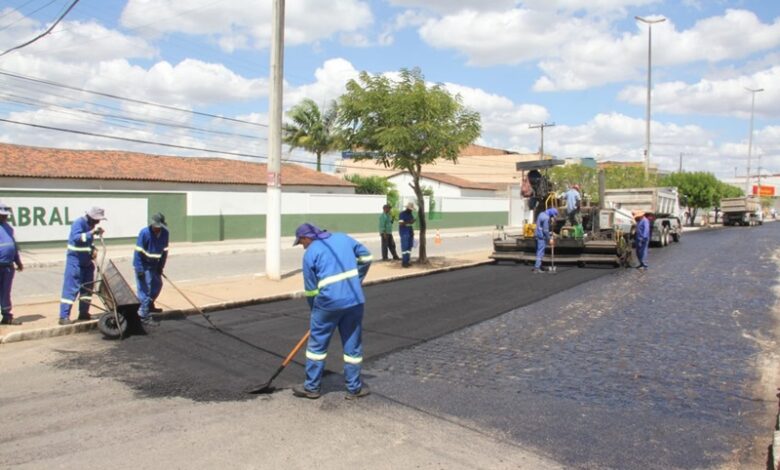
{"x": 9, "y": 256}
{"x": 573, "y": 203}
{"x": 642, "y": 238}
{"x": 80, "y": 265}
{"x": 386, "y": 220}
{"x": 406, "y": 232}
{"x": 543, "y": 234}
{"x": 151, "y": 253}
{"x": 334, "y": 266}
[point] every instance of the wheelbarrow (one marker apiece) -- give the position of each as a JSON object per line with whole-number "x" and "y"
{"x": 120, "y": 304}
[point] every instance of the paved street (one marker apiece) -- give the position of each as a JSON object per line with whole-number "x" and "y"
{"x": 588, "y": 368}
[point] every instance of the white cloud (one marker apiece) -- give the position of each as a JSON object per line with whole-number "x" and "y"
{"x": 726, "y": 97}
{"x": 444, "y": 6}
{"x": 232, "y": 21}
{"x": 330, "y": 81}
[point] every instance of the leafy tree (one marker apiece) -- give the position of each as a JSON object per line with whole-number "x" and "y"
{"x": 698, "y": 190}
{"x": 312, "y": 130}
{"x": 370, "y": 184}
{"x": 586, "y": 177}
{"x": 621, "y": 177}
{"x": 404, "y": 124}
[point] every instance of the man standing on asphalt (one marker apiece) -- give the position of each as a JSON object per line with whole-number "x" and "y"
{"x": 80, "y": 266}
{"x": 573, "y": 202}
{"x": 642, "y": 238}
{"x": 151, "y": 252}
{"x": 386, "y": 232}
{"x": 406, "y": 231}
{"x": 334, "y": 266}
{"x": 543, "y": 233}
{"x": 9, "y": 256}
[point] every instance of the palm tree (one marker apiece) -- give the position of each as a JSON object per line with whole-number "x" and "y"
{"x": 311, "y": 129}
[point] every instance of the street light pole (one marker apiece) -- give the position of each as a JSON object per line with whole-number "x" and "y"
{"x": 650, "y": 24}
{"x": 753, "y": 92}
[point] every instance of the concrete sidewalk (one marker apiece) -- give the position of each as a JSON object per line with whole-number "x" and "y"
{"x": 39, "y": 318}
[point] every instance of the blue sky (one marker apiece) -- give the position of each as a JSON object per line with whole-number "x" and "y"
{"x": 578, "y": 63}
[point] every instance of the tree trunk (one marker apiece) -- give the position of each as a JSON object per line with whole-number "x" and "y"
{"x": 693, "y": 215}
{"x": 319, "y": 161}
{"x": 422, "y": 253}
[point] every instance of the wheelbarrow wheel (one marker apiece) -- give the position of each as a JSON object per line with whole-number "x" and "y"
{"x": 111, "y": 329}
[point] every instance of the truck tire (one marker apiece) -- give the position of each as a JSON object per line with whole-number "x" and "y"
{"x": 676, "y": 236}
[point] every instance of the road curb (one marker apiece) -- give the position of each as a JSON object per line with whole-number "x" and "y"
{"x": 80, "y": 327}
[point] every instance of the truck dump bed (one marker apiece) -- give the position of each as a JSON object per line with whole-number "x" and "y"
{"x": 655, "y": 200}
{"x": 739, "y": 204}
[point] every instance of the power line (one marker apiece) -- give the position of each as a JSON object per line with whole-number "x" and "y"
{"x": 22, "y": 15}
{"x": 43, "y": 33}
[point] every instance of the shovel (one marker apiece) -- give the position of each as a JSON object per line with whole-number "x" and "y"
{"x": 266, "y": 387}
{"x": 552, "y": 255}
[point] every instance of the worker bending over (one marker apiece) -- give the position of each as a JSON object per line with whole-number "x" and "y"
{"x": 151, "y": 252}
{"x": 642, "y": 238}
{"x": 543, "y": 234}
{"x": 334, "y": 266}
{"x": 80, "y": 266}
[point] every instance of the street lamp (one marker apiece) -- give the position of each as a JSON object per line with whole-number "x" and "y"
{"x": 650, "y": 24}
{"x": 753, "y": 92}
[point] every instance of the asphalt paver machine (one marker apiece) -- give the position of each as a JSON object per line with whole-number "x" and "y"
{"x": 604, "y": 238}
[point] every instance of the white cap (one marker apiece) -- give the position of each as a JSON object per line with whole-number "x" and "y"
{"x": 96, "y": 213}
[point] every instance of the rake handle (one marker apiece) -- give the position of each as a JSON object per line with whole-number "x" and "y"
{"x": 295, "y": 349}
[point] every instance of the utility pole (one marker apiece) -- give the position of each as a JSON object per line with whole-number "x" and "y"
{"x": 750, "y": 137}
{"x": 681, "y": 155}
{"x": 542, "y": 126}
{"x": 273, "y": 218}
{"x": 650, "y": 24}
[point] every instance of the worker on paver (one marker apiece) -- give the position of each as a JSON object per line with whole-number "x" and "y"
{"x": 573, "y": 203}
{"x": 642, "y": 238}
{"x": 80, "y": 265}
{"x": 386, "y": 233}
{"x": 151, "y": 253}
{"x": 406, "y": 231}
{"x": 543, "y": 234}
{"x": 334, "y": 266}
{"x": 9, "y": 256}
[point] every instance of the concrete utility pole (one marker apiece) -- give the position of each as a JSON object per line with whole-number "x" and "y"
{"x": 542, "y": 126}
{"x": 273, "y": 217}
{"x": 650, "y": 24}
{"x": 681, "y": 155}
{"x": 750, "y": 137}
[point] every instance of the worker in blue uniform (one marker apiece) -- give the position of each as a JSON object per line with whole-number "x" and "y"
{"x": 406, "y": 232}
{"x": 543, "y": 234}
{"x": 151, "y": 253}
{"x": 642, "y": 238}
{"x": 334, "y": 266}
{"x": 9, "y": 256}
{"x": 80, "y": 266}
{"x": 573, "y": 203}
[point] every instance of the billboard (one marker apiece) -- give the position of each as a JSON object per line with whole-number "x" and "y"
{"x": 765, "y": 191}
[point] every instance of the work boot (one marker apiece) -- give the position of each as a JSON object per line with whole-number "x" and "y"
{"x": 65, "y": 321}
{"x": 154, "y": 308}
{"x": 363, "y": 392}
{"x": 537, "y": 270}
{"x": 9, "y": 320}
{"x": 84, "y": 317}
{"x": 149, "y": 321}
{"x": 301, "y": 392}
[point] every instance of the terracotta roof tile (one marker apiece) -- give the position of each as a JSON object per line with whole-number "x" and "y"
{"x": 454, "y": 181}
{"x": 38, "y": 162}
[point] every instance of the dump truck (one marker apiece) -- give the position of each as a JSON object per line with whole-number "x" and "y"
{"x": 741, "y": 211}
{"x": 603, "y": 238}
{"x": 660, "y": 205}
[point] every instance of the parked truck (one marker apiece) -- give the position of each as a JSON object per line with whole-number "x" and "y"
{"x": 741, "y": 211}
{"x": 661, "y": 206}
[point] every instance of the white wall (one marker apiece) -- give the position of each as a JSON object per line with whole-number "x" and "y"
{"x": 201, "y": 203}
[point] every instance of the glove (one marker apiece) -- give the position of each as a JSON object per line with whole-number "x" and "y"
{"x": 140, "y": 275}
{"x": 98, "y": 231}
{"x": 160, "y": 271}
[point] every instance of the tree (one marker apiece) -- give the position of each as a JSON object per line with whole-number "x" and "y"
{"x": 312, "y": 130}
{"x": 370, "y": 184}
{"x": 698, "y": 190}
{"x": 621, "y": 177}
{"x": 404, "y": 124}
{"x": 586, "y": 177}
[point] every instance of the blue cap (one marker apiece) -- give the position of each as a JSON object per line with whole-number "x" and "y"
{"x": 308, "y": 230}
{"x": 553, "y": 212}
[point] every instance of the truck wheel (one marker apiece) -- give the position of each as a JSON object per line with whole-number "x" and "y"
{"x": 676, "y": 237}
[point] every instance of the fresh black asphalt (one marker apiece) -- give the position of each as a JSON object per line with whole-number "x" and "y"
{"x": 599, "y": 374}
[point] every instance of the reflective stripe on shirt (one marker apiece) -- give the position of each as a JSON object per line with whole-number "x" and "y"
{"x": 147, "y": 254}
{"x": 80, "y": 248}
{"x": 330, "y": 280}
{"x": 365, "y": 259}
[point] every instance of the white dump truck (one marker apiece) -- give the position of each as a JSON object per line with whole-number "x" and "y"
{"x": 741, "y": 211}
{"x": 661, "y": 206}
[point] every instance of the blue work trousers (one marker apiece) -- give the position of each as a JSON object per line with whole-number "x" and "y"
{"x": 641, "y": 251}
{"x": 323, "y": 323}
{"x": 149, "y": 284}
{"x": 6, "y": 281}
{"x": 79, "y": 281}
{"x": 541, "y": 244}
{"x": 407, "y": 242}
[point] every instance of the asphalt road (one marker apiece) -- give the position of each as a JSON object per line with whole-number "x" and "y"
{"x": 591, "y": 368}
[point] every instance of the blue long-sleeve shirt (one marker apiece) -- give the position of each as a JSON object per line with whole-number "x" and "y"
{"x": 9, "y": 253}
{"x": 643, "y": 229}
{"x": 151, "y": 251}
{"x": 333, "y": 270}
{"x": 80, "y": 241}
{"x": 572, "y": 199}
{"x": 405, "y": 222}
{"x": 543, "y": 226}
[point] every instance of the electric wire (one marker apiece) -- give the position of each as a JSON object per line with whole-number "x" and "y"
{"x": 25, "y": 44}
{"x": 23, "y": 15}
